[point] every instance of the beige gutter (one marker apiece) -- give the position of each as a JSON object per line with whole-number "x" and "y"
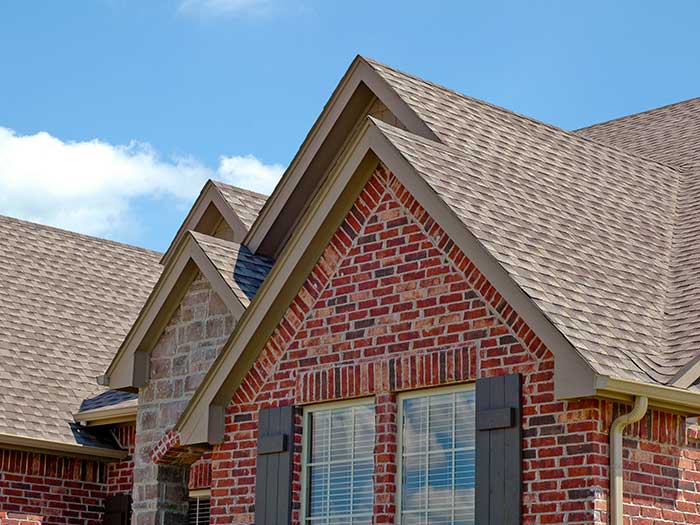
{"x": 110, "y": 415}
{"x": 60, "y": 448}
{"x": 665, "y": 397}
{"x": 641, "y": 403}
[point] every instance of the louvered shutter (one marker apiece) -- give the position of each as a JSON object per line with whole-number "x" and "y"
{"x": 498, "y": 450}
{"x": 117, "y": 510}
{"x": 273, "y": 479}
{"x": 198, "y": 511}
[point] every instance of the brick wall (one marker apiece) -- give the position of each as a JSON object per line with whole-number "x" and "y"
{"x": 179, "y": 361}
{"x": 392, "y": 305}
{"x": 48, "y": 489}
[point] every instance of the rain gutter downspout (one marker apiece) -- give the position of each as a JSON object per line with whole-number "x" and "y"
{"x": 641, "y": 403}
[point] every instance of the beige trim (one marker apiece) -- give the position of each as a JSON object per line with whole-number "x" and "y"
{"x": 124, "y": 412}
{"x": 202, "y": 420}
{"x": 203, "y": 218}
{"x": 57, "y": 447}
{"x": 199, "y": 493}
{"x": 323, "y": 134}
{"x": 129, "y": 368}
{"x": 660, "y": 396}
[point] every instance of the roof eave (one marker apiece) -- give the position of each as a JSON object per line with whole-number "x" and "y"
{"x": 109, "y": 415}
{"x": 661, "y": 396}
{"x": 11, "y": 441}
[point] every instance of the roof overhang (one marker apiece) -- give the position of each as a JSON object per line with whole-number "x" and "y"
{"x": 202, "y": 420}
{"x": 206, "y": 215}
{"x": 661, "y": 396}
{"x": 322, "y": 148}
{"x": 57, "y": 447}
{"x": 130, "y": 367}
{"x": 124, "y": 412}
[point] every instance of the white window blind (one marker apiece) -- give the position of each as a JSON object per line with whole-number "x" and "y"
{"x": 198, "y": 511}
{"x": 340, "y": 465}
{"x": 438, "y": 458}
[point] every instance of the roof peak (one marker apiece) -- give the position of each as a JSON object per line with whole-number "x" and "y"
{"x": 223, "y": 184}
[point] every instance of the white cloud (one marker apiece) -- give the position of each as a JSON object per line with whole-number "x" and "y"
{"x": 226, "y": 7}
{"x": 249, "y": 172}
{"x": 90, "y": 186}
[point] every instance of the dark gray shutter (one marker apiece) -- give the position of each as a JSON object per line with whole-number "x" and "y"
{"x": 117, "y": 510}
{"x": 273, "y": 478}
{"x": 498, "y": 450}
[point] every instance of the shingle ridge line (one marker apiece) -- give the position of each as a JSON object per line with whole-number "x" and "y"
{"x": 631, "y": 115}
{"x": 567, "y": 133}
{"x": 71, "y": 233}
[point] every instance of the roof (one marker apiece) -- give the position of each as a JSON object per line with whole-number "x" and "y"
{"x": 668, "y": 134}
{"x": 247, "y": 204}
{"x": 242, "y": 270}
{"x": 66, "y": 302}
{"x": 601, "y": 238}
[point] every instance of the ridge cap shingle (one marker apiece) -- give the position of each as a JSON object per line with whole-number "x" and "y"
{"x": 511, "y": 113}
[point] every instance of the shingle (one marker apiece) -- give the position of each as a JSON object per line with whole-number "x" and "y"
{"x": 66, "y": 303}
{"x": 245, "y": 203}
{"x": 243, "y": 271}
{"x": 603, "y": 239}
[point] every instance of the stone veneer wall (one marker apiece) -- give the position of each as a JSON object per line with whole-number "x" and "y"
{"x": 190, "y": 343}
{"x": 394, "y": 305}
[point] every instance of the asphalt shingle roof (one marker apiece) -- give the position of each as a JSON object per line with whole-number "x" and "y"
{"x": 66, "y": 303}
{"x": 596, "y": 235}
{"x": 243, "y": 271}
{"x": 245, "y": 203}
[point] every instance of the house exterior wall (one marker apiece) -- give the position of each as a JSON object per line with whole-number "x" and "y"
{"x": 47, "y": 489}
{"x": 179, "y": 361}
{"x": 393, "y": 305}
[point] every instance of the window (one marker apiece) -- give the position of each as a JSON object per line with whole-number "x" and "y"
{"x": 198, "y": 509}
{"x": 339, "y": 464}
{"x": 437, "y": 452}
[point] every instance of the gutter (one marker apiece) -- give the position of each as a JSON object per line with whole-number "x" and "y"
{"x": 109, "y": 415}
{"x": 665, "y": 397}
{"x": 58, "y": 447}
{"x": 641, "y": 404}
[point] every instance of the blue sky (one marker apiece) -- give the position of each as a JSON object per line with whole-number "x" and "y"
{"x": 114, "y": 112}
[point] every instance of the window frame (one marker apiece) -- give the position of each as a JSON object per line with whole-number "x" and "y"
{"x": 307, "y": 411}
{"x": 400, "y": 398}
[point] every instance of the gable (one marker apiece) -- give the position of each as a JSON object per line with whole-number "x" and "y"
{"x": 230, "y": 269}
{"x": 390, "y": 289}
{"x": 222, "y": 211}
{"x": 361, "y": 92}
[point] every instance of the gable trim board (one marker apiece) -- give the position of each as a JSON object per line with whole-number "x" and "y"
{"x": 129, "y": 368}
{"x": 199, "y": 219}
{"x": 326, "y": 142}
{"x": 30, "y": 444}
{"x": 202, "y": 420}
